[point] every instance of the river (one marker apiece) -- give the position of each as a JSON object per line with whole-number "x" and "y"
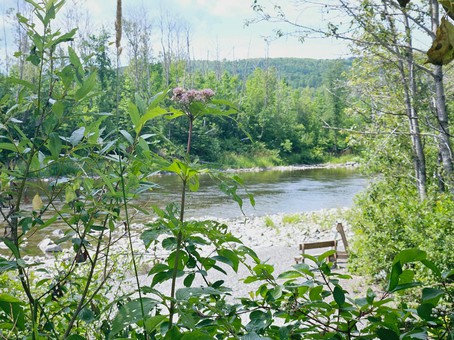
{"x": 288, "y": 191}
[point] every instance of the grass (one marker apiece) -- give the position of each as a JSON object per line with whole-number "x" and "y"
{"x": 292, "y": 219}
{"x": 324, "y": 219}
{"x": 261, "y": 159}
{"x": 344, "y": 159}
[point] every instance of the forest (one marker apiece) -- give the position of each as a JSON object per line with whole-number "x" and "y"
{"x": 87, "y": 119}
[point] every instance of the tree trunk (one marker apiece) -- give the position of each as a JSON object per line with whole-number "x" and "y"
{"x": 406, "y": 66}
{"x": 444, "y": 143}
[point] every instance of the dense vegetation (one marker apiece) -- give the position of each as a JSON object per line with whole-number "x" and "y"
{"x": 286, "y": 109}
{"x": 68, "y": 110}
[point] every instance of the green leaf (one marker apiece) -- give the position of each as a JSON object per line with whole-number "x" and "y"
{"x": 65, "y": 37}
{"x": 135, "y": 115}
{"x": 67, "y": 77}
{"x": 10, "y": 299}
{"x": 418, "y": 333}
{"x": 252, "y": 336}
{"x": 169, "y": 243}
{"x": 75, "y": 61}
{"x": 77, "y": 136}
{"x": 339, "y": 296}
{"x": 432, "y": 266}
{"x": 179, "y": 255}
{"x": 410, "y": 255}
{"x": 448, "y": 275}
{"x": 393, "y": 281}
{"x": 432, "y": 295}
{"x": 315, "y": 293}
{"x": 231, "y": 256}
{"x": 128, "y": 136}
{"x": 14, "y": 312}
{"x": 189, "y": 279}
{"x": 6, "y": 265}
{"x": 157, "y": 99}
{"x": 153, "y": 322}
{"x": 50, "y": 13}
{"x": 75, "y": 337}
{"x": 405, "y": 286}
{"x": 151, "y": 235}
{"x": 196, "y": 335}
{"x": 263, "y": 269}
{"x": 158, "y": 267}
{"x": 11, "y": 246}
{"x": 27, "y": 84}
{"x": 87, "y": 87}
{"x": 150, "y": 114}
{"x": 194, "y": 183}
{"x": 130, "y": 313}
{"x": 9, "y": 146}
{"x": 325, "y": 255}
{"x": 184, "y": 294}
{"x": 370, "y": 296}
{"x": 276, "y": 292}
{"x": 425, "y": 311}
{"x": 58, "y": 108}
{"x": 290, "y": 274}
{"x": 86, "y": 315}
{"x": 54, "y": 144}
{"x": 164, "y": 276}
{"x": 387, "y": 334}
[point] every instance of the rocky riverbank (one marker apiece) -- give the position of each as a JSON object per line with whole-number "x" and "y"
{"x": 274, "y": 238}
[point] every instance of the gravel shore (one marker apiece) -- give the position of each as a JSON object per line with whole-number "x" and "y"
{"x": 274, "y": 238}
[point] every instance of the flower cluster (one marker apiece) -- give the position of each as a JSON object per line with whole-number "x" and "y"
{"x": 186, "y": 97}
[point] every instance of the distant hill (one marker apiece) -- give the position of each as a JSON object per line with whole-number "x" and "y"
{"x": 297, "y": 72}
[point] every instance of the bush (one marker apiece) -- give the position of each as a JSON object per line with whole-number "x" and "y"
{"x": 389, "y": 218}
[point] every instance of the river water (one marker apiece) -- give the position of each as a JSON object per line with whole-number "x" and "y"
{"x": 288, "y": 191}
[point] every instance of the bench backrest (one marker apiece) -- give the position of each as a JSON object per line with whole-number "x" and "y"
{"x": 341, "y": 231}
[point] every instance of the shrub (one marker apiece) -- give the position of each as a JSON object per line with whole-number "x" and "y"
{"x": 388, "y": 219}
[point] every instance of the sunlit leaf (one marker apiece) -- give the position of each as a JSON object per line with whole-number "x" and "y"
{"x": 410, "y": 255}
{"x": 86, "y": 87}
{"x": 128, "y": 136}
{"x": 37, "y": 202}
{"x": 77, "y": 136}
{"x": 442, "y": 50}
{"x": 134, "y": 114}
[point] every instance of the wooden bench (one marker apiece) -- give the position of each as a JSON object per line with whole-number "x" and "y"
{"x": 332, "y": 244}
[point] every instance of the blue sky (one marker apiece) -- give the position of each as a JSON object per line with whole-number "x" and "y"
{"x": 217, "y": 27}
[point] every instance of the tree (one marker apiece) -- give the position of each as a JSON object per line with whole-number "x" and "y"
{"x": 385, "y": 29}
{"x": 138, "y": 31}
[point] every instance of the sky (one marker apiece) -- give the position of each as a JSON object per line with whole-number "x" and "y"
{"x": 217, "y": 27}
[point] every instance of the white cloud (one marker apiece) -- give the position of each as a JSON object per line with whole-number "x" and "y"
{"x": 217, "y": 27}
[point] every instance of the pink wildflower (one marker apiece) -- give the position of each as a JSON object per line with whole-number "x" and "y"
{"x": 186, "y": 97}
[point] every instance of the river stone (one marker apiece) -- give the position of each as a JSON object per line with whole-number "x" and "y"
{"x": 58, "y": 232}
{"x": 48, "y": 246}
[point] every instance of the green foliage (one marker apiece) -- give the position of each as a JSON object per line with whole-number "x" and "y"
{"x": 311, "y": 72}
{"x": 381, "y": 217}
{"x": 51, "y": 125}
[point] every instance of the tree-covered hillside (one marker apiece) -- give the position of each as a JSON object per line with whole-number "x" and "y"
{"x": 296, "y": 72}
